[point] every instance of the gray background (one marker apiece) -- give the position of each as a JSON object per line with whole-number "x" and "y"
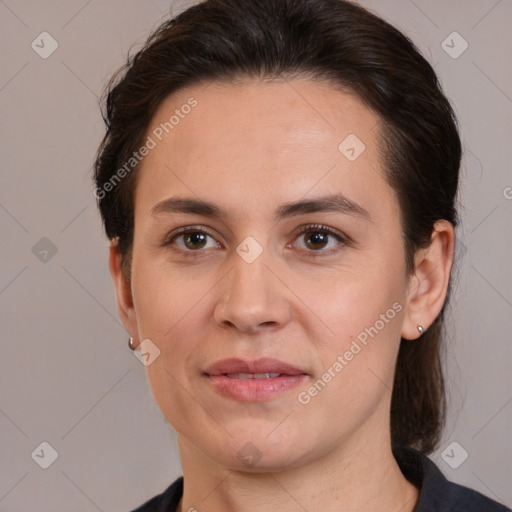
{"x": 67, "y": 376}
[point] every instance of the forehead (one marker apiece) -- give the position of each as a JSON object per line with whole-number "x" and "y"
{"x": 259, "y": 143}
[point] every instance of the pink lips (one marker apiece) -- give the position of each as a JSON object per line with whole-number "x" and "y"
{"x": 270, "y": 377}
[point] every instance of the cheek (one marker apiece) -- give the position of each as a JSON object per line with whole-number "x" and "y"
{"x": 357, "y": 371}
{"x": 168, "y": 313}
{"x": 171, "y": 309}
{"x": 164, "y": 298}
{"x": 362, "y": 310}
{"x": 349, "y": 301}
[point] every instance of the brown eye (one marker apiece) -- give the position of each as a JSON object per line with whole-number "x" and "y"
{"x": 194, "y": 239}
{"x": 191, "y": 240}
{"x": 319, "y": 239}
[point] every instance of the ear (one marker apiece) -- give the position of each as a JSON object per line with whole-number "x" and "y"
{"x": 428, "y": 285}
{"x": 123, "y": 291}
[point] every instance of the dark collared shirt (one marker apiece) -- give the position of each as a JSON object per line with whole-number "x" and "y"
{"x": 437, "y": 494}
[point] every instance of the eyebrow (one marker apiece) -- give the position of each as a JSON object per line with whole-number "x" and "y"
{"x": 337, "y": 203}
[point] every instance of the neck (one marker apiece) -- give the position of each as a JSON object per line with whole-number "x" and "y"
{"x": 360, "y": 480}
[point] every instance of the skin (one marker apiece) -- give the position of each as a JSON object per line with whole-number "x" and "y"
{"x": 250, "y": 147}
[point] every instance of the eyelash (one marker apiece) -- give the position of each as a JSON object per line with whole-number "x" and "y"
{"x": 310, "y": 228}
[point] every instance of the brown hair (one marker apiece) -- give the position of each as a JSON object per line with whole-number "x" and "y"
{"x": 341, "y": 43}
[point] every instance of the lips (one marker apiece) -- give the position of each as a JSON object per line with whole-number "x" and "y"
{"x": 259, "y": 369}
{"x": 253, "y": 381}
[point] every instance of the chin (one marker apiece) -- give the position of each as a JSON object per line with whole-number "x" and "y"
{"x": 259, "y": 452}
{"x": 264, "y": 461}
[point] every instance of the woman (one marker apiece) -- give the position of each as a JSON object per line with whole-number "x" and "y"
{"x": 278, "y": 181}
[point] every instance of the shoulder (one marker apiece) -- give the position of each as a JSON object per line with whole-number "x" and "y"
{"x": 167, "y": 501}
{"x": 468, "y": 500}
{"x": 437, "y": 494}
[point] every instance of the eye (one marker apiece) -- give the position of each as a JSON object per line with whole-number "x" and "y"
{"x": 191, "y": 239}
{"x": 318, "y": 238}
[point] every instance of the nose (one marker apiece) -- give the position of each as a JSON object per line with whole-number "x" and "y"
{"x": 253, "y": 297}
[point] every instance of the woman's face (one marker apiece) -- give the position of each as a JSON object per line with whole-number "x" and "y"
{"x": 245, "y": 282}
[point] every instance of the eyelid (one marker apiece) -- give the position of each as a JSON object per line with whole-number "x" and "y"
{"x": 321, "y": 227}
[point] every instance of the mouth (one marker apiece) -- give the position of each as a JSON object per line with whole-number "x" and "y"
{"x": 253, "y": 381}
{"x": 245, "y": 376}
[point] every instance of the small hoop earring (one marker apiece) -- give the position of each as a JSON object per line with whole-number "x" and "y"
{"x": 420, "y": 329}
{"x": 130, "y": 343}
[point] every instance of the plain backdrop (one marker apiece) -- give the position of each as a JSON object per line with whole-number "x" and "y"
{"x": 67, "y": 377}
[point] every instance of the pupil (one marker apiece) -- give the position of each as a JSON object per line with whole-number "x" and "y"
{"x": 195, "y": 238}
{"x": 318, "y": 238}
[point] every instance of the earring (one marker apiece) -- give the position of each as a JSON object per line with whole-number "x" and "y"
{"x": 130, "y": 344}
{"x": 420, "y": 329}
